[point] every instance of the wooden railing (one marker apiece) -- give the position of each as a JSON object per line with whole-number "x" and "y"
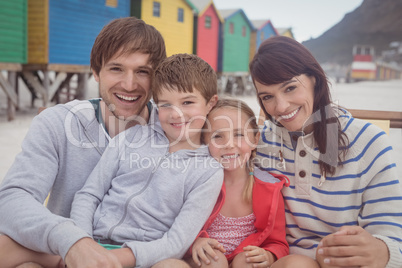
{"x": 384, "y": 119}
{"x": 395, "y": 118}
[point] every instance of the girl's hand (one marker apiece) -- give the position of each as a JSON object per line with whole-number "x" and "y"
{"x": 259, "y": 257}
{"x": 204, "y": 247}
{"x": 352, "y": 246}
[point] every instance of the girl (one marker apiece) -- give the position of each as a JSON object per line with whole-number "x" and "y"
{"x": 247, "y": 224}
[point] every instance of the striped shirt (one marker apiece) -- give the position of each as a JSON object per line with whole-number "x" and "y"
{"x": 365, "y": 190}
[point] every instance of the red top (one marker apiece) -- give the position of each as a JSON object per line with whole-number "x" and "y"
{"x": 269, "y": 210}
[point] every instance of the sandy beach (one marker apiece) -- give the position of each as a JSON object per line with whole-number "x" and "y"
{"x": 378, "y": 95}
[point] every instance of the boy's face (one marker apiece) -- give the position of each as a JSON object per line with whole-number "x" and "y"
{"x": 125, "y": 84}
{"x": 182, "y": 116}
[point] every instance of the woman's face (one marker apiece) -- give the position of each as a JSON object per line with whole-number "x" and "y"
{"x": 291, "y": 102}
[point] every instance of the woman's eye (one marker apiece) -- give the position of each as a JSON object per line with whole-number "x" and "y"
{"x": 266, "y": 97}
{"x": 291, "y": 88}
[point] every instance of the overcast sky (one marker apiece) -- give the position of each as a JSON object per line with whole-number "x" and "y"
{"x": 308, "y": 18}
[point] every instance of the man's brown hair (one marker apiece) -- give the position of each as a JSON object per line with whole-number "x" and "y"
{"x": 184, "y": 73}
{"x": 126, "y": 36}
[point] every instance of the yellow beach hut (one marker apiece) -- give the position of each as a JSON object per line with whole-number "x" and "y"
{"x": 174, "y": 19}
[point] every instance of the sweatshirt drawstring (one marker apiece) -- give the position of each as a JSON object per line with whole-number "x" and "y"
{"x": 322, "y": 179}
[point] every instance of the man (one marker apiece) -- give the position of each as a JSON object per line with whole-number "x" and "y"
{"x": 65, "y": 143}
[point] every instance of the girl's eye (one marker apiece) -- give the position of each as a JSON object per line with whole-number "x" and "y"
{"x": 216, "y": 136}
{"x": 143, "y": 72}
{"x": 238, "y": 135}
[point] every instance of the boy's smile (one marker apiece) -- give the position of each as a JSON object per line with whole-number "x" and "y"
{"x": 182, "y": 116}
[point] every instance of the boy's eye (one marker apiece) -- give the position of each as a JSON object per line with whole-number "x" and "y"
{"x": 238, "y": 135}
{"x": 164, "y": 105}
{"x": 187, "y": 102}
{"x": 217, "y": 136}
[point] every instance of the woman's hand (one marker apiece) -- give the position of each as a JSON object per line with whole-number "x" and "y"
{"x": 204, "y": 247}
{"x": 259, "y": 257}
{"x": 352, "y": 246}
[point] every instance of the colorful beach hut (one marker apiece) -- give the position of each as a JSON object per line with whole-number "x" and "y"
{"x": 174, "y": 19}
{"x": 286, "y": 32}
{"x": 13, "y": 30}
{"x": 63, "y": 32}
{"x": 235, "y": 41}
{"x": 263, "y": 29}
{"x": 13, "y": 48}
{"x": 207, "y": 23}
{"x": 60, "y": 39}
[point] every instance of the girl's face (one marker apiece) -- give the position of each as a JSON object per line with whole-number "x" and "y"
{"x": 230, "y": 138}
{"x": 291, "y": 102}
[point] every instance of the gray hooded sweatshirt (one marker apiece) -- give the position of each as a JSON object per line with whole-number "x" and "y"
{"x": 146, "y": 198}
{"x": 62, "y": 146}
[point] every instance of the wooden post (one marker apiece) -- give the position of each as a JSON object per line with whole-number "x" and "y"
{"x": 82, "y": 86}
{"x": 10, "y": 105}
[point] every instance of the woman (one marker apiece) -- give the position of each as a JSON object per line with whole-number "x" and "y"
{"x": 342, "y": 206}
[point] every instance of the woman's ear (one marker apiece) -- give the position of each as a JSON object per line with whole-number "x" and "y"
{"x": 212, "y": 102}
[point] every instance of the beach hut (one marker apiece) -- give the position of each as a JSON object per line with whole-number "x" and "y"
{"x": 207, "y": 23}
{"x": 63, "y": 32}
{"x": 13, "y": 29}
{"x": 285, "y": 32}
{"x": 174, "y": 19}
{"x": 263, "y": 29}
{"x": 235, "y": 41}
{"x": 13, "y": 48}
{"x": 60, "y": 39}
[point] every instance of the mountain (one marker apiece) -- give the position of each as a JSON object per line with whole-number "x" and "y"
{"x": 374, "y": 22}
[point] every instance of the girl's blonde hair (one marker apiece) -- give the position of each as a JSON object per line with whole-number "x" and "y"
{"x": 252, "y": 123}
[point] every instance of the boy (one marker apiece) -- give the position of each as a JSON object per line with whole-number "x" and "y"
{"x": 65, "y": 143}
{"x": 155, "y": 189}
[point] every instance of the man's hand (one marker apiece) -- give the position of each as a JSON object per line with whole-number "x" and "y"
{"x": 352, "y": 246}
{"x": 86, "y": 253}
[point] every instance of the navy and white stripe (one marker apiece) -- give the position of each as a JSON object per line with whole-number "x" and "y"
{"x": 365, "y": 189}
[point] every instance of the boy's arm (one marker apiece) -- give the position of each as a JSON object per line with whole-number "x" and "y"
{"x": 175, "y": 242}
{"x": 27, "y": 184}
{"x": 87, "y": 200}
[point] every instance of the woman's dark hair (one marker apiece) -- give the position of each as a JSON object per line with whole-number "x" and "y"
{"x": 280, "y": 59}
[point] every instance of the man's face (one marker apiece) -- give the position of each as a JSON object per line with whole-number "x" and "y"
{"x": 125, "y": 84}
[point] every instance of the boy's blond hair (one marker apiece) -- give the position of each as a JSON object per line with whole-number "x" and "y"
{"x": 184, "y": 73}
